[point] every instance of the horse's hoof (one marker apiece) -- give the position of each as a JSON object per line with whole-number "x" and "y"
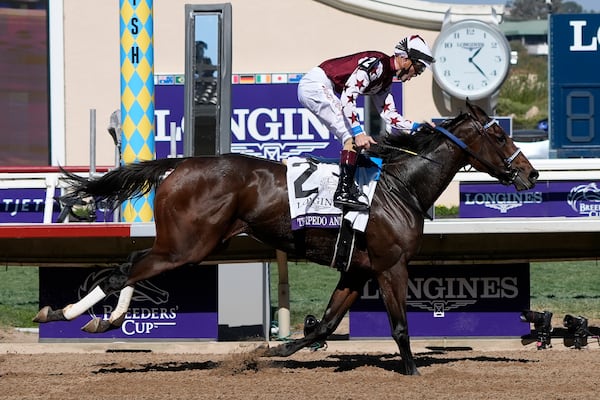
{"x": 42, "y": 315}
{"x": 283, "y": 350}
{"x": 97, "y": 325}
{"x": 47, "y": 314}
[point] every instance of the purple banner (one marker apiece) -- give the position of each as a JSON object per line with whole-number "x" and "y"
{"x": 180, "y": 304}
{"x": 547, "y": 199}
{"x": 451, "y": 300}
{"x": 267, "y": 120}
{"x": 25, "y": 205}
{"x": 168, "y": 113}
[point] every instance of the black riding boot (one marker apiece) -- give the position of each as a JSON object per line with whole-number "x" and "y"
{"x": 347, "y": 193}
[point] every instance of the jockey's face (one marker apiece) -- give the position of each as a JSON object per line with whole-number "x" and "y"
{"x": 406, "y": 69}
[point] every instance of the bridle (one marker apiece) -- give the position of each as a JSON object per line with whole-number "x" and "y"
{"x": 506, "y": 175}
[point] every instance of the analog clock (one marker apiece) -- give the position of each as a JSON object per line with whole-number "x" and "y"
{"x": 472, "y": 59}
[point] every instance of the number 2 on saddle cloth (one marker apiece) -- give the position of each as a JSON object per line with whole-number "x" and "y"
{"x": 311, "y": 184}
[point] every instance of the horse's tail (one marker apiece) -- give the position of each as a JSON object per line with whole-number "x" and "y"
{"x": 126, "y": 182}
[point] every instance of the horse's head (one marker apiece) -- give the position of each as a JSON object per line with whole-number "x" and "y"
{"x": 491, "y": 150}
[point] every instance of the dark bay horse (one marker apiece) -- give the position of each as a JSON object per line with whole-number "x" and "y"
{"x": 205, "y": 201}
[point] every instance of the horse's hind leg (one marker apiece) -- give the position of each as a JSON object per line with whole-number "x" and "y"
{"x": 393, "y": 284}
{"x": 99, "y": 325}
{"x": 112, "y": 283}
{"x": 71, "y": 311}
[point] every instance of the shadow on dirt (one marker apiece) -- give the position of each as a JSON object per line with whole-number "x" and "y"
{"x": 337, "y": 362}
{"x": 162, "y": 367}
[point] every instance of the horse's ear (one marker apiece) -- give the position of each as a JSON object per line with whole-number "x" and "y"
{"x": 470, "y": 106}
{"x": 475, "y": 109}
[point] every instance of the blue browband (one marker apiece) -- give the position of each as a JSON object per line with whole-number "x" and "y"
{"x": 452, "y": 137}
{"x": 456, "y": 140}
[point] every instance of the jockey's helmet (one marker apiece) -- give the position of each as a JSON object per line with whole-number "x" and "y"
{"x": 416, "y": 49}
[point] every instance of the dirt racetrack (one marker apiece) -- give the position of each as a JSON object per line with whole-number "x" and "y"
{"x": 360, "y": 370}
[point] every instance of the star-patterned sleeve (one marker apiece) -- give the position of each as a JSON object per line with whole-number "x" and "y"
{"x": 355, "y": 86}
{"x": 384, "y": 103}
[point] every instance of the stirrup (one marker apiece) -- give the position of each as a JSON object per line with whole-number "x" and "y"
{"x": 349, "y": 202}
{"x": 350, "y": 205}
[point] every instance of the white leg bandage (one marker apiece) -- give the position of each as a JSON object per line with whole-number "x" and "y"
{"x": 123, "y": 303}
{"x": 75, "y": 310}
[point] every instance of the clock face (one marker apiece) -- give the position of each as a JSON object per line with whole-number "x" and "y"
{"x": 472, "y": 59}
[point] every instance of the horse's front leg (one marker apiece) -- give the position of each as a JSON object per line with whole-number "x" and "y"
{"x": 344, "y": 295}
{"x": 393, "y": 285}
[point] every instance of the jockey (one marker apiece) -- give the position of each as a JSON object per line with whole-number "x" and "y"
{"x": 365, "y": 73}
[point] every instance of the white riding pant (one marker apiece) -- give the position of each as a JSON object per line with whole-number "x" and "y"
{"x": 315, "y": 92}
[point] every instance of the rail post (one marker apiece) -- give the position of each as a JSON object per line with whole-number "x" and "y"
{"x": 283, "y": 312}
{"x": 137, "y": 96}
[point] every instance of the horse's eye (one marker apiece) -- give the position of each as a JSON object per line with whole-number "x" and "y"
{"x": 501, "y": 139}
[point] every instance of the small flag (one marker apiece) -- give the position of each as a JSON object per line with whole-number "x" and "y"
{"x": 166, "y": 79}
{"x": 247, "y": 79}
{"x": 235, "y": 79}
{"x": 294, "y": 78}
{"x": 279, "y": 78}
{"x": 263, "y": 78}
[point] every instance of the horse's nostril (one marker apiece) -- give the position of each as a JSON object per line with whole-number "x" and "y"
{"x": 534, "y": 175}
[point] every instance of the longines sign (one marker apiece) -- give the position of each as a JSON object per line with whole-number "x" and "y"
{"x": 547, "y": 199}
{"x": 451, "y": 300}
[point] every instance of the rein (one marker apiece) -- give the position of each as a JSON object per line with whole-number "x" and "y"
{"x": 412, "y": 153}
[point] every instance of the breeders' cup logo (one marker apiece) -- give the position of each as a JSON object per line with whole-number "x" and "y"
{"x": 441, "y": 294}
{"x": 139, "y": 320}
{"x": 278, "y": 133}
{"x": 501, "y": 201}
{"x": 585, "y": 199}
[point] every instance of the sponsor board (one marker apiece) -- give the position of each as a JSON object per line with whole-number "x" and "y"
{"x": 575, "y": 97}
{"x": 547, "y": 199}
{"x": 25, "y": 205}
{"x": 179, "y": 304}
{"x": 451, "y": 300}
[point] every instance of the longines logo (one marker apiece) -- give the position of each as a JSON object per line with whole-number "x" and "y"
{"x": 139, "y": 320}
{"x": 441, "y": 294}
{"x": 277, "y": 151}
{"x": 585, "y": 199}
{"x": 502, "y": 202}
{"x": 278, "y": 133}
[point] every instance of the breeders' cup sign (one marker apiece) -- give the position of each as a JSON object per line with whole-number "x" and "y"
{"x": 451, "y": 300}
{"x": 179, "y": 305}
{"x": 547, "y": 199}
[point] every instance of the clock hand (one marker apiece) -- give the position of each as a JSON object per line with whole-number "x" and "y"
{"x": 475, "y": 65}
{"x": 475, "y": 54}
{"x": 478, "y": 69}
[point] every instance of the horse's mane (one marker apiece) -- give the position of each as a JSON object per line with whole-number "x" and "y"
{"x": 392, "y": 148}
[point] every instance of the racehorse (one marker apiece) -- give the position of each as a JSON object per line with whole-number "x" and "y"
{"x": 204, "y": 201}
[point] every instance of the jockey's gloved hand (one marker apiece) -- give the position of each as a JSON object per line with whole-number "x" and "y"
{"x": 415, "y": 127}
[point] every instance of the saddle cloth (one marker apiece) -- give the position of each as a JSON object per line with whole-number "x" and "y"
{"x": 311, "y": 185}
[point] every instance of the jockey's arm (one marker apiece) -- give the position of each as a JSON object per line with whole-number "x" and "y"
{"x": 354, "y": 87}
{"x": 385, "y": 105}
